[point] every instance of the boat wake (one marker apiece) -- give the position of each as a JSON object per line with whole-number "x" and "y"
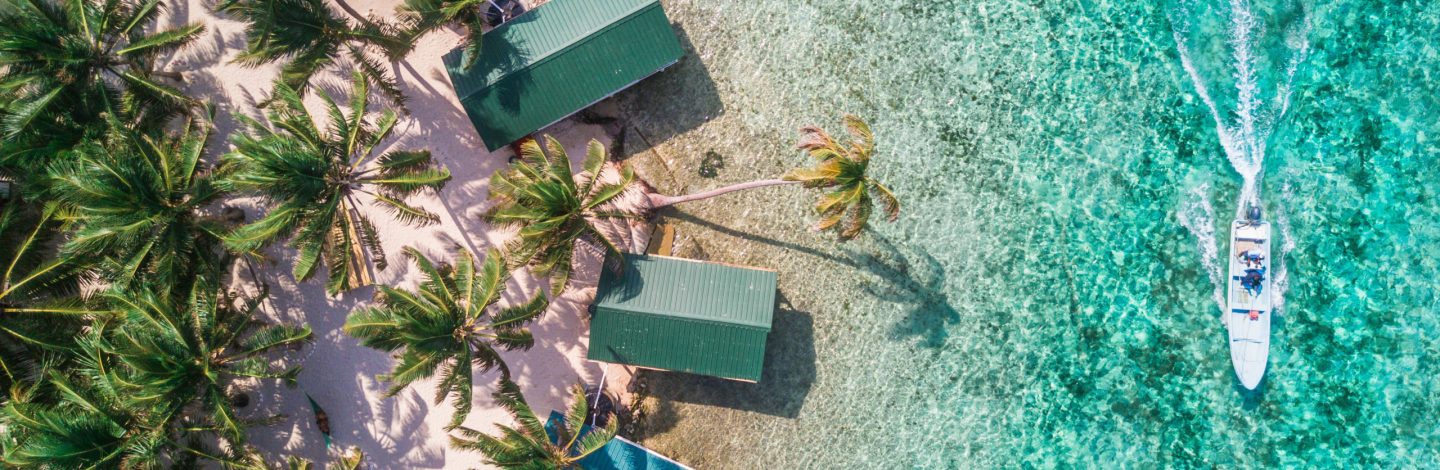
{"x": 1243, "y": 131}
{"x": 1198, "y": 216}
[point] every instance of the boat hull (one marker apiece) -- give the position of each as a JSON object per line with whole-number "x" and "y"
{"x": 1248, "y": 313}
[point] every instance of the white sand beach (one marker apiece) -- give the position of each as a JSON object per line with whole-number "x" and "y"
{"x": 405, "y": 431}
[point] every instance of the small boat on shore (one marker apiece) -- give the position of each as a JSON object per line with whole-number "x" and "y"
{"x": 1249, "y": 307}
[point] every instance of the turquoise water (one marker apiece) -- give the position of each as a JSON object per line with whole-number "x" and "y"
{"x": 1047, "y": 297}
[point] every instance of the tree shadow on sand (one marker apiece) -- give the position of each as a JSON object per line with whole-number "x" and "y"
{"x": 907, "y": 276}
{"x": 390, "y": 431}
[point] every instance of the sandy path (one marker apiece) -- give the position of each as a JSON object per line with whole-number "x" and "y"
{"x": 405, "y": 431}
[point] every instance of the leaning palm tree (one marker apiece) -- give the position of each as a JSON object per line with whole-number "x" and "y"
{"x": 539, "y": 195}
{"x": 135, "y": 203}
{"x": 38, "y": 311}
{"x": 311, "y": 36}
{"x": 840, "y": 168}
{"x": 312, "y": 177}
{"x": 448, "y": 326}
{"x": 529, "y": 445}
{"x": 168, "y": 355}
{"x": 424, "y": 16}
{"x": 67, "y": 64}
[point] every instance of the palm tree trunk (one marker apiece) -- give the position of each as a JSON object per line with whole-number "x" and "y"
{"x": 658, "y": 201}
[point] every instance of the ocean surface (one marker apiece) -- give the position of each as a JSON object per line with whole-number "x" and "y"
{"x": 1068, "y": 170}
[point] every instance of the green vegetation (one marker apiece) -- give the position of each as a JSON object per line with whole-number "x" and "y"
{"x": 448, "y": 326}
{"x": 169, "y": 354}
{"x": 311, "y": 36}
{"x": 842, "y": 169}
{"x": 67, "y": 67}
{"x": 424, "y": 16}
{"x": 37, "y": 303}
{"x": 528, "y": 445}
{"x": 134, "y": 203}
{"x": 312, "y": 177}
{"x": 112, "y": 189}
{"x": 539, "y": 195}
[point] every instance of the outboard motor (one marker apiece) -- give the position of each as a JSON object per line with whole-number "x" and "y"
{"x": 1252, "y": 216}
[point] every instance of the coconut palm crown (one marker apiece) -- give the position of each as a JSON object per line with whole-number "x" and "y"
{"x": 136, "y": 205}
{"x": 539, "y": 195}
{"x": 424, "y": 16}
{"x": 448, "y": 326}
{"x": 38, "y": 312}
{"x": 313, "y": 177}
{"x": 528, "y": 445}
{"x": 841, "y": 169}
{"x": 166, "y": 354}
{"x": 310, "y": 36}
{"x": 68, "y": 64}
{"x": 88, "y": 426}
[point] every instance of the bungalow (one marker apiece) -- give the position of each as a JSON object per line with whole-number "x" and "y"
{"x": 684, "y": 315}
{"x": 557, "y": 59}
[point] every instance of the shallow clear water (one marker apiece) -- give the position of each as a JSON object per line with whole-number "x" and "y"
{"x": 1047, "y": 296}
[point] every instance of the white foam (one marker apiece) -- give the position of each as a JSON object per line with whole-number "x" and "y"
{"x": 1244, "y": 137}
{"x": 1198, "y": 216}
{"x": 1243, "y": 134}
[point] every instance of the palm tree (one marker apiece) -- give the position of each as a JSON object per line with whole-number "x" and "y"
{"x": 37, "y": 310}
{"x": 840, "y": 168}
{"x": 68, "y": 64}
{"x": 312, "y": 177}
{"x": 529, "y": 445}
{"x": 167, "y": 355}
{"x": 136, "y": 203}
{"x": 424, "y": 16}
{"x": 539, "y": 195}
{"x": 310, "y": 35}
{"x": 87, "y": 427}
{"x": 350, "y": 460}
{"x": 447, "y": 326}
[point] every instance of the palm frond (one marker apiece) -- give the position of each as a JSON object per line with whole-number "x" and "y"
{"x": 164, "y": 41}
{"x": 406, "y": 213}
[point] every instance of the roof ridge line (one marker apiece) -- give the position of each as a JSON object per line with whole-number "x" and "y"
{"x": 649, "y": 312}
{"x": 568, "y": 45}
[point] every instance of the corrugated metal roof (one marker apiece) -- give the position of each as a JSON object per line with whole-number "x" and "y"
{"x": 664, "y": 285}
{"x": 684, "y": 315}
{"x": 557, "y": 59}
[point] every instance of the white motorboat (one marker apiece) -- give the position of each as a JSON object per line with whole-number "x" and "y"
{"x": 1248, "y": 309}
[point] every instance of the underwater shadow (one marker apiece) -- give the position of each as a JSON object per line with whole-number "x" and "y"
{"x": 911, "y": 277}
{"x": 785, "y": 381}
{"x": 670, "y": 102}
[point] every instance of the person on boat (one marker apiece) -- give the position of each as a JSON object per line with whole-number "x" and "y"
{"x": 1254, "y": 315}
{"x": 1252, "y": 280}
{"x": 1252, "y": 258}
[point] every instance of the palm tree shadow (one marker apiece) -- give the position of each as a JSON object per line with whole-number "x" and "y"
{"x": 916, "y": 279}
{"x": 502, "y": 55}
{"x": 908, "y": 276}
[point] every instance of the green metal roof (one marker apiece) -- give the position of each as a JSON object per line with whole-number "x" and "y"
{"x": 557, "y": 59}
{"x": 684, "y": 315}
